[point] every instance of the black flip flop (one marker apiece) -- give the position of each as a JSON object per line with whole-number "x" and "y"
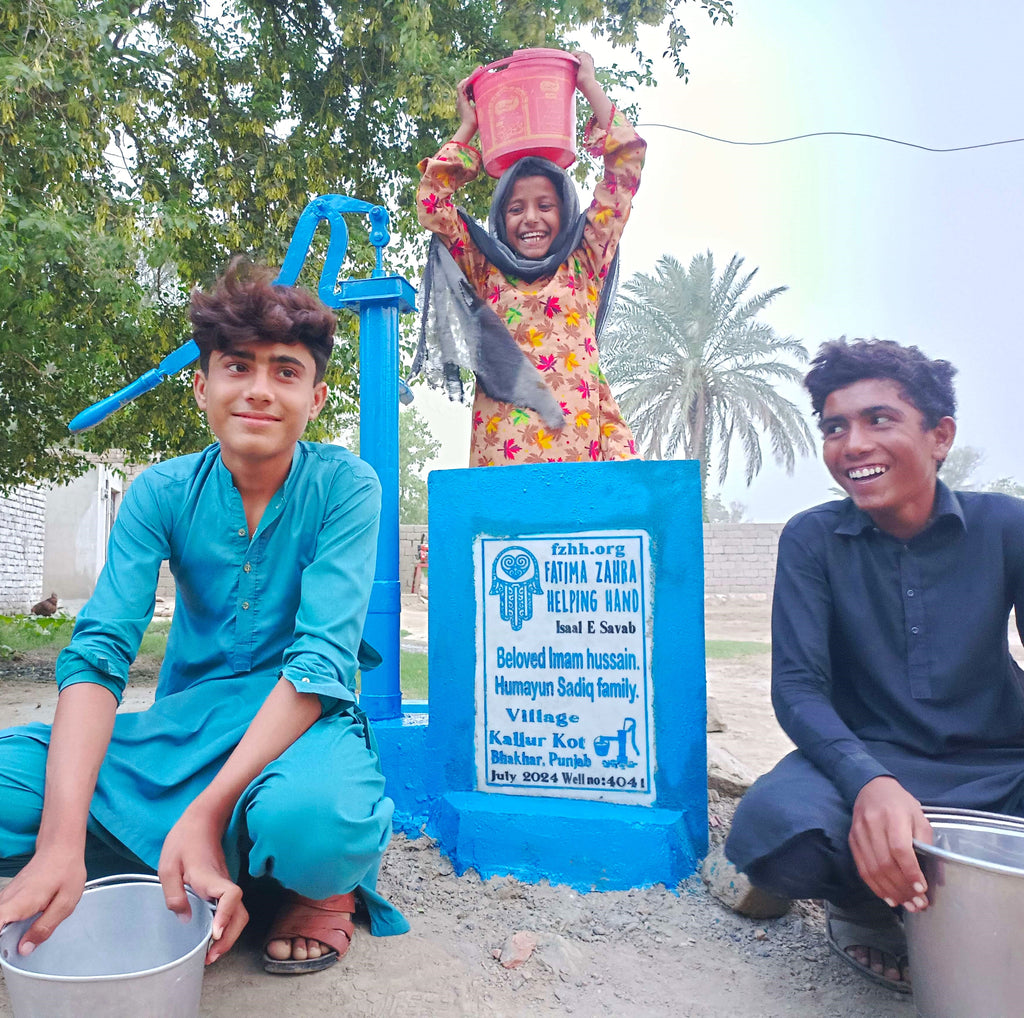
{"x": 870, "y": 927}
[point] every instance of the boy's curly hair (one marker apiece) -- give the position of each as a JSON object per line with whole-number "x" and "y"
{"x": 246, "y": 306}
{"x": 925, "y": 383}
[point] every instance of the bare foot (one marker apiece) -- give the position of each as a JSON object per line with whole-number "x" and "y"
{"x": 296, "y": 949}
{"x": 870, "y": 938}
{"x": 308, "y": 935}
{"x": 886, "y": 965}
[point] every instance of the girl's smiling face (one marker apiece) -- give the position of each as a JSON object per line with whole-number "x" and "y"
{"x": 533, "y": 216}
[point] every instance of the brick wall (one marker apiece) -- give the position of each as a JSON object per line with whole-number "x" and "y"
{"x": 739, "y": 558}
{"x": 22, "y": 531}
{"x": 409, "y": 537}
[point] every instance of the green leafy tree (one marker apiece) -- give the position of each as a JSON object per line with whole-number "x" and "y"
{"x": 416, "y": 448}
{"x": 69, "y": 296}
{"x": 1006, "y": 486}
{"x": 960, "y": 466}
{"x": 717, "y": 511}
{"x": 142, "y": 142}
{"x": 695, "y": 371}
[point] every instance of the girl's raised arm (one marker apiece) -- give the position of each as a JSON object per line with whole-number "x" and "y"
{"x": 467, "y": 114}
{"x": 587, "y": 83}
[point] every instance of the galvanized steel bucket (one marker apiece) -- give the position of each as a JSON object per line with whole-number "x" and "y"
{"x": 121, "y": 954}
{"x": 964, "y": 949}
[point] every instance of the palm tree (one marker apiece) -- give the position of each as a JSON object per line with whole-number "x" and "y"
{"x": 693, "y": 370}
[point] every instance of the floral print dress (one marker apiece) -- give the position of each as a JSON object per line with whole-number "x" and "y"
{"x": 552, "y": 319}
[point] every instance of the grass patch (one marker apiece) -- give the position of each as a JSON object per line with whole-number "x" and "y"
{"x": 154, "y": 639}
{"x": 414, "y": 675}
{"x": 19, "y": 633}
{"x": 734, "y": 648}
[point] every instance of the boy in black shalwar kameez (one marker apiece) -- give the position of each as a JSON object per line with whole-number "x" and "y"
{"x": 891, "y": 669}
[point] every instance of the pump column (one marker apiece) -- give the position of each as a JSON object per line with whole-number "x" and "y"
{"x": 379, "y": 301}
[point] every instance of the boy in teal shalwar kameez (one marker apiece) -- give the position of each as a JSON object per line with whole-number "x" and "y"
{"x": 254, "y": 753}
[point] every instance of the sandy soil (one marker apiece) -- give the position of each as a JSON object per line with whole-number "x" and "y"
{"x": 651, "y": 952}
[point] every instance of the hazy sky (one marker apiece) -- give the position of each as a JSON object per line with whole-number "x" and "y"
{"x": 871, "y": 238}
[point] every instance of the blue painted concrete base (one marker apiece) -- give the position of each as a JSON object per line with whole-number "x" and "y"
{"x": 432, "y": 767}
{"x": 587, "y": 845}
{"x": 406, "y": 760}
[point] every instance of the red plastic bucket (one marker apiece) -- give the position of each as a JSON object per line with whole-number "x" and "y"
{"x": 526, "y": 105}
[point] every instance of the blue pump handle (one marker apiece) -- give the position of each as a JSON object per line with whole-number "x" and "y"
{"x": 329, "y": 207}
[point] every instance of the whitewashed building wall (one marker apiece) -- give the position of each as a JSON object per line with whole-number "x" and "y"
{"x": 22, "y": 536}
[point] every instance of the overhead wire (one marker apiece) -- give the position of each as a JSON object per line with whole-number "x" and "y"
{"x": 840, "y": 134}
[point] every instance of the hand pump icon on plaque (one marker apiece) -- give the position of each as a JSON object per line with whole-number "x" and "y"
{"x": 603, "y": 742}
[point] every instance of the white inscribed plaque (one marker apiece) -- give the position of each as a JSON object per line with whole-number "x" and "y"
{"x": 563, "y": 666}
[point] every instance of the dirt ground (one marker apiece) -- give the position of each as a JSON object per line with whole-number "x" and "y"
{"x": 652, "y": 952}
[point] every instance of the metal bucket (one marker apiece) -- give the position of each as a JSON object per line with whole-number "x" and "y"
{"x": 964, "y": 949}
{"x": 121, "y": 954}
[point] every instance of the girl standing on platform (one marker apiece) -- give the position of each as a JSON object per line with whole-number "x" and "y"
{"x": 521, "y": 305}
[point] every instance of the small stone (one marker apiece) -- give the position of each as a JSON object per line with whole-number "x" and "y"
{"x": 517, "y": 949}
{"x": 726, "y": 774}
{"x": 760, "y": 934}
{"x": 560, "y": 956}
{"x": 505, "y": 888}
{"x": 715, "y": 721}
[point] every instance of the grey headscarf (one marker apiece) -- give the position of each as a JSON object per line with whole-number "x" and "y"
{"x": 460, "y": 330}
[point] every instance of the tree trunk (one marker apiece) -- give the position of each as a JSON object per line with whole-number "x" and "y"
{"x": 697, "y": 443}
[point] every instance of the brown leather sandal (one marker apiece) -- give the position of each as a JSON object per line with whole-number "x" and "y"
{"x": 328, "y": 921}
